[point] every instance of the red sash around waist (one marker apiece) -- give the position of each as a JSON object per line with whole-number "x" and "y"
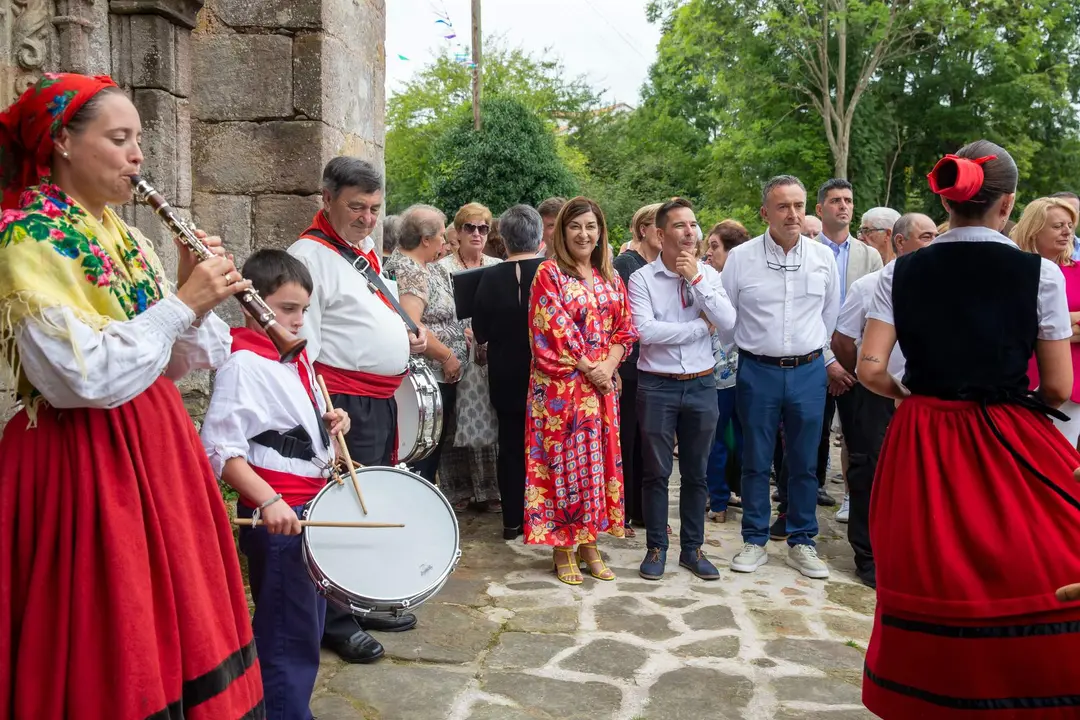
{"x": 358, "y": 382}
{"x": 294, "y": 489}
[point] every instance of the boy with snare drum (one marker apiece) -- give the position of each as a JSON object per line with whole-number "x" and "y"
{"x": 266, "y": 433}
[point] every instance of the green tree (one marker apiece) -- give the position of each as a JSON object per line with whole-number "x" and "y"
{"x": 512, "y": 159}
{"x": 421, "y": 112}
{"x": 1007, "y": 71}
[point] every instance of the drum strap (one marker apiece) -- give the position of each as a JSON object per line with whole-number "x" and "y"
{"x": 294, "y": 445}
{"x": 375, "y": 283}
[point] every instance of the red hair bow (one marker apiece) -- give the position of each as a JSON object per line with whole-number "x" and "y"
{"x": 967, "y": 177}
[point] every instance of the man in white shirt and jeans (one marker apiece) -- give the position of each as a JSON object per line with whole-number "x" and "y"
{"x": 676, "y": 301}
{"x": 786, "y": 291}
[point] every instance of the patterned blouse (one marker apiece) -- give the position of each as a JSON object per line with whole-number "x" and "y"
{"x": 432, "y": 285}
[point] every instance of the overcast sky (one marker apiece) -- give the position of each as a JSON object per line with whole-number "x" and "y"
{"x": 607, "y": 41}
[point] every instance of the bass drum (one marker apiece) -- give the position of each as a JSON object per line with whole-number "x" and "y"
{"x": 420, "y": 413}
{"x": 384, "y": 570}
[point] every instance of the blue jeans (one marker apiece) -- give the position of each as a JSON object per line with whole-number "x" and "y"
{"x": 288, "y": 620}
{"x": 719, "y": 492}
{"x": 666, "y": 407}
{"x": 765, "y": 394}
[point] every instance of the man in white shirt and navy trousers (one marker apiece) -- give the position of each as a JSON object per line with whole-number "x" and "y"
{"x": 786, "y": 292}
{"x": 676, "y": 302}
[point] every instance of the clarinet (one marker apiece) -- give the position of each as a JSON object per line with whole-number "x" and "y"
{"x": 287, "y": 344}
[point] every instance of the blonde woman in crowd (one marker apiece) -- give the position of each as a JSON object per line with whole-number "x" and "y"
{"x": 1046, "y": 228}
{"x": 468, "y": 473}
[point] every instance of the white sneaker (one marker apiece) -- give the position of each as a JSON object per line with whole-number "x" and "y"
{"x": 749, "y": 559}
{"x": 804, "y": 558}
{"x": 845, "y": 510}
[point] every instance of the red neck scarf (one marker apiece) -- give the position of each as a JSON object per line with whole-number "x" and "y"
{"x": 322, "y": 223}
{"x": 29, "y": 127}
{"x": 253, "y": 341}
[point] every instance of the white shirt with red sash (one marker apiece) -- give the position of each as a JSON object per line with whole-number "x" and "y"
{"x": 254, "y": 393}
{"x": 350, "y": 328}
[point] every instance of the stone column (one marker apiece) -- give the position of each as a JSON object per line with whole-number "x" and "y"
{"x": 280, "y": 87}
{"x": 151, "y": 60}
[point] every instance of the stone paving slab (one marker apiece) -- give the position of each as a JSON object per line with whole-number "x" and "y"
{"x": 504, "y": 640}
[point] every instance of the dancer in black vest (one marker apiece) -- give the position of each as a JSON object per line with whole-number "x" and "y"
{"x": 975, "y": 516}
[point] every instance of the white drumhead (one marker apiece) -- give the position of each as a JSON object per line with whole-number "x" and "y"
{"x": 408, "y": 418}
{"x": 384, "y": 564}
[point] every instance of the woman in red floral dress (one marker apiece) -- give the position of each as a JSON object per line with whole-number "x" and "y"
{"x": 581, "y": 328}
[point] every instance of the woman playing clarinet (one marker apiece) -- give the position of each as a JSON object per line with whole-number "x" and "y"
{"x": 975, "y": 518}
{"x": 121, "y": 592}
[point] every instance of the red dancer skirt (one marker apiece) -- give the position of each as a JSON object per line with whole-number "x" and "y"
{"x": 120, "y": 590}
{"x": 970, "y": 546}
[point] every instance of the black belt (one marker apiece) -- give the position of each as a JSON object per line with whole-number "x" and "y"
{"x": 791, "y": 361}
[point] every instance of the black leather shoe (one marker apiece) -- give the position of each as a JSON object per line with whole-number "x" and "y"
{"x": 512, "y": 533}
{"x": 868, "y": 576}
{"x": 387, "y": 623}
{"x": 824, "y": 499}
{"x": 360, "y": 648}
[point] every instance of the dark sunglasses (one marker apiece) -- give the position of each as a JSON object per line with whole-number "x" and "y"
{"x": 469, "y": 228}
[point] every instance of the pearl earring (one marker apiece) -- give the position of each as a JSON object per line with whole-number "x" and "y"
{"x": 65, "y": 154}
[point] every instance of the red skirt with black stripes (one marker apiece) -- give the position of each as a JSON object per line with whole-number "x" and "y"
{"x": 120, "y": 589}
{"x": 971, "y": 539}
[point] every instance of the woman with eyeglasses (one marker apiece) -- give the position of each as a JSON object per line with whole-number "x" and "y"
{"x": 1046, "y": 229}
{"x": 975, "y": 514}
{"x": 469, "y": 474}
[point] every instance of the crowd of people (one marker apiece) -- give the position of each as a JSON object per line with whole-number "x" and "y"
{"x": 582, "y": 375}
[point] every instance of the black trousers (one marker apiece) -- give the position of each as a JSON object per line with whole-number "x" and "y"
{"x": 630, "y": 440}
{"x": 865, "y": 417}
{"x": 427, "y": 467}
{"x": 371, "y": 441}
{"x": 510, "y": 466}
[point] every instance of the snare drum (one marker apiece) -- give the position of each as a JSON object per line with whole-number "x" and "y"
{"x": 386, "y": 570}
{"x": 419, "y": 413}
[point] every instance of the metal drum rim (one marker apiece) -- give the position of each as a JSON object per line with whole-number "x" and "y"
{"x": 427, "y": 593}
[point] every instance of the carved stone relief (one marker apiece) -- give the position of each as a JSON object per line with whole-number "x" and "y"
{"x": 27, "y": 39}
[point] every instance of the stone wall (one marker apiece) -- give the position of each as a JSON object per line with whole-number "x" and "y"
{"x": 242, "y": 102}
{"x": 280, "y": 87}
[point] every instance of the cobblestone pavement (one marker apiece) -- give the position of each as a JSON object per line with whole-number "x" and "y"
{"x": 504, "y": 640}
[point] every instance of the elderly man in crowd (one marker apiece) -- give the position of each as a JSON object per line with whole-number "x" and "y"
{"x": 786, "y": 293}
{"x": 876, "y": 230}
{"x": 811, "y": 226}
{"x": 866, "y": 415}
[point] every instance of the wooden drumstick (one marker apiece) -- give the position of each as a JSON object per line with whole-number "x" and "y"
{"x": 328, "y": 523}
{"x": 344, "y": 448}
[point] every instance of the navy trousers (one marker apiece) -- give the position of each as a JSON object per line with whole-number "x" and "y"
{"x": 288, "y": 621}
{"x": 719, "y": 492}
{"x": 765, "y": 394}
{"x": 687, "y": 409}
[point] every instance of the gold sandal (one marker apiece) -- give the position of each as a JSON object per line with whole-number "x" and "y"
{"x": 567, "y": 571}
{"x": 604, "y": 572}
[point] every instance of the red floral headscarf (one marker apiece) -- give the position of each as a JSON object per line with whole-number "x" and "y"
{"x": 28, "y": 128}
